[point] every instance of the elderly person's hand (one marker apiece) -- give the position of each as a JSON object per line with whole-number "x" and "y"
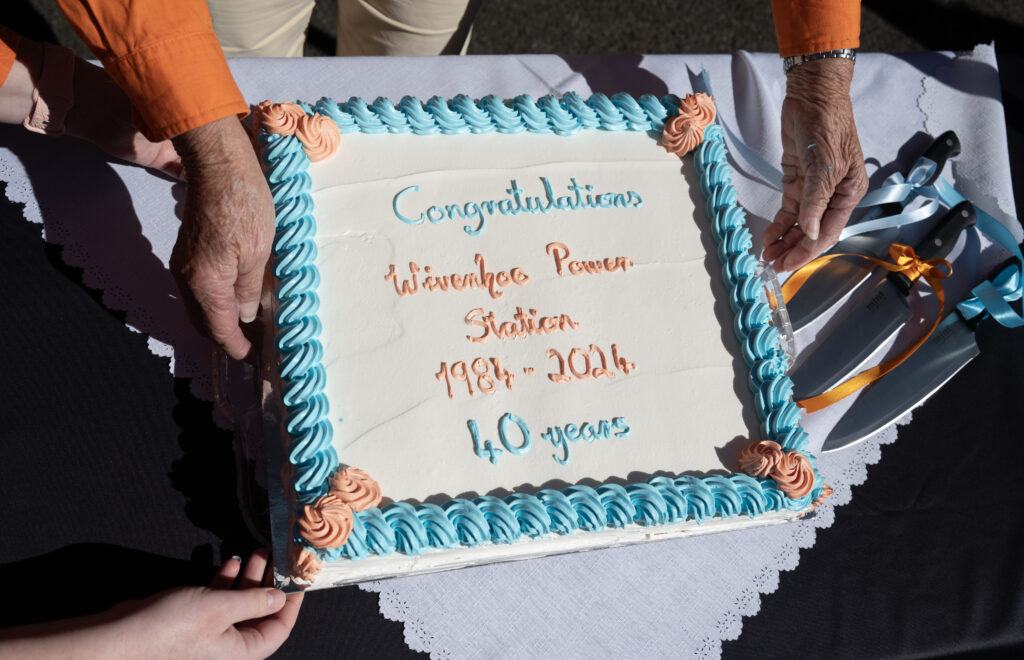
{"x": 822, "y": 165}
{"x": 227, "y": 228}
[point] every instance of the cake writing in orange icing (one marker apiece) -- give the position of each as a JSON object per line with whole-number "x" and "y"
{"x": 790, "y": 470}
{"x": 494, "y": 282}
{"x": 319, "y": 135}
{"x": 565, "y": 266}
{"x": 685, "y": 131}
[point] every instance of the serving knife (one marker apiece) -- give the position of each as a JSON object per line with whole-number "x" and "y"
{"x": 864, "y": 330}
{"x": 946, "y": 351}
{"x": 829, "y": 284}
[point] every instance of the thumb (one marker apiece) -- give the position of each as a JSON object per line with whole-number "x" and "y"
{"x": 248, "y": 287}
{"x": 818, "y": 191}
{"x": 246, "y": 604}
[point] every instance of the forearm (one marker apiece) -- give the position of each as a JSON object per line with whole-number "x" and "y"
{"x": 82, "y": 637}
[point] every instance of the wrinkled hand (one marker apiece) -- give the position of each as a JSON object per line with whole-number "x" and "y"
{"x": 822, "y": 165}
{"x": 227, "y": 229}
{"x": 248, "y": 621}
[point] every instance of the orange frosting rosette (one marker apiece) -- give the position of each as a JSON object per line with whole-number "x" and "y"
{"x": 794, "y": 474}
{"x": 326, "y": 523}
{"x": 305, "y": 564}
{"x": 279, "y": 118}
{"x": 355, "y": 488}
{"x": 791, "y": 470}
{"x": 685, "y": 131}
{"x": 699, "y": 107}
{"x": 759, "y": 458}
{"x": 319, "y": 136}
{"x": 681, "y": 135}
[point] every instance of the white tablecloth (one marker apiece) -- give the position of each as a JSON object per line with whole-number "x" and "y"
{"x": 679, "y": 598}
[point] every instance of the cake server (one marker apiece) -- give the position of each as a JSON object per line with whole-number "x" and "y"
{"x": 833, "y": 281}
{"x": 946, "y": 352}
{"x": 879, "y": 316}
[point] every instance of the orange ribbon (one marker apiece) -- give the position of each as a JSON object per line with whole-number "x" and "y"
{"x": 904, "y": 261}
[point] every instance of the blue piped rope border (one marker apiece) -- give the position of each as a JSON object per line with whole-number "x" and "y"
{"x": 413, "y": 529}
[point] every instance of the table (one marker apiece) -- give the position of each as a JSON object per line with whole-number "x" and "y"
{"x": 113, "y": 466}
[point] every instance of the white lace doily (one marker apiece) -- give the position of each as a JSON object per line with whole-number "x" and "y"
{"x": 677, "y": 598}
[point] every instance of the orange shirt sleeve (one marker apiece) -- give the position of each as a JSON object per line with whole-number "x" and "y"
{"x": 814, "y": 26}
{"x": 165, "y": 56}
{"x": 8, "y": 49}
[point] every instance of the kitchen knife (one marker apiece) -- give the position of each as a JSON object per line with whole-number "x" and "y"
{"x": 880, "y": 315}
{"x": 833, "y": 281}
{"x": 938, "y": 359}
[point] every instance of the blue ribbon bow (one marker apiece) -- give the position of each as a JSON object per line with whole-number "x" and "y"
{"x": 896, "y": 188}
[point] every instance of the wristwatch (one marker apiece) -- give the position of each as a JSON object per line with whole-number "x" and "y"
{"x": 796, "y": 60}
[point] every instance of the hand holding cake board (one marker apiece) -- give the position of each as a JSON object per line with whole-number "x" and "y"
{"x": 502, "y": 318}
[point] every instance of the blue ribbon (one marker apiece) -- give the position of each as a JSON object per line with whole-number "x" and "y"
{"x": 771, "y": 174}
{"x": 991, "y": 297}
{"x": 896, "y": 188}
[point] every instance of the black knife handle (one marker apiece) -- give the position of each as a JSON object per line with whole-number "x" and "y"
{"x": 940, "y": 240}
{"x": 944, "y": 147}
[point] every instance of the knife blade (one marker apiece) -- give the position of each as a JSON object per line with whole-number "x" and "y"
{"x": 833, "y": 281}
{"x": 945, "y": 353}
{"x": 865, "y": 328}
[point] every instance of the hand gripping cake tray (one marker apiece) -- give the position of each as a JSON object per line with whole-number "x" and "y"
{"x": 504, "y": 329}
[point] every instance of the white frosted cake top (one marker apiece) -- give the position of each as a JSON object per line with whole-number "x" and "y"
{"x": 657, "y": 303}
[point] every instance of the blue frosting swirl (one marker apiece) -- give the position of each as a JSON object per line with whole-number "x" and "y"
{"x": 753, "y": 501}
{"x": 648, "y": 503}
{"x": 560, "y": 509}
{"x": 441, "y": 533}
{"x": 410, "y": 535}
{"x": 355, "y": 546}
{"x": 728, "y": 502}
{"x": 532, "y": 514}
{"x": 698, "y": 495}
{"x": 676, "y": 503}
{"x": 617, "y": 505}
{"x": 380, "y": 536}
{"x": 503, "y": 524}
{"x": 590, "y": 511}
{"x": 470, "y": 524}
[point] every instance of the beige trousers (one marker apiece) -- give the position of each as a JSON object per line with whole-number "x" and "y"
{"x": 277, "y": 28}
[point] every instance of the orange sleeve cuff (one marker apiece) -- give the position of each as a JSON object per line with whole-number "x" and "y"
{"x": 8, "y": 50}
{"x": 177, "y": 83}
{"x": 813, "y": 26}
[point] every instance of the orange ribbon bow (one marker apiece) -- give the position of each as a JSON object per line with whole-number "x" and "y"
{"x": 905, "y": 261}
